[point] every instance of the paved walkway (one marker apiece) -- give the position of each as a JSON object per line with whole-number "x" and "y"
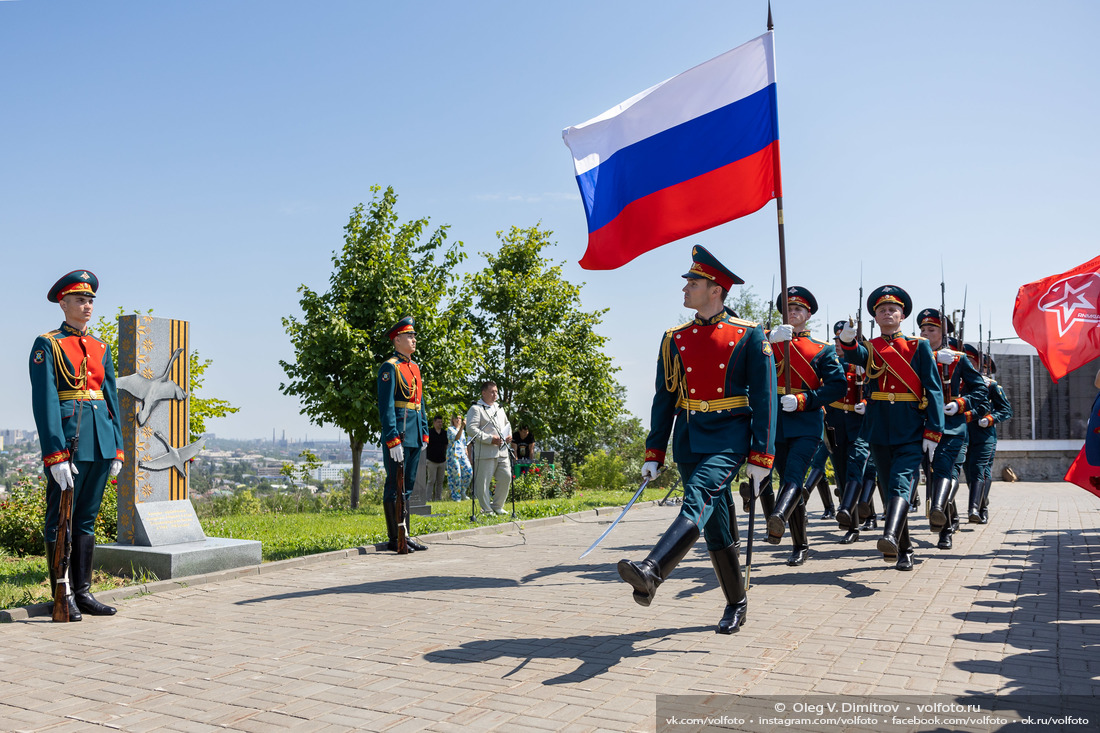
{"x": 510, "y": 631}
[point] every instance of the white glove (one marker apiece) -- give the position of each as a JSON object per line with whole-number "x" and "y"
{"x": 946, "y": 356}
{"x": 397, "y": 453}
{"x": 116, "y": 468}
{"x": 782, "y": 332}
{"x": 951, "y": 408}
{"x": 930, "y": 448}
{"x": 848, "y": 332}
{"x": 860, "y": 408}
{"x": 63, "y": 475}
{"x": 986, "y": 421}
{"x": 788, "y": 402}
{"x": 758, "y": 475}
{"x": 649, "y": 470}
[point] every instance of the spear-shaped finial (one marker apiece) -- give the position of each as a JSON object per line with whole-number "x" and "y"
{"x": 770, "y": 25}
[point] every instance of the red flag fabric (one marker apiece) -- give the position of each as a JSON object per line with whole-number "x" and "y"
{"x": 1084, "y": 475}
{"x": 1060, "y": 316}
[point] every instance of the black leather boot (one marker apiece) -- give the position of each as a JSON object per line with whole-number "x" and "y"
{"x": 727, "y": 566}
{"x": 389, "y": 509}
{"x": 74, "y": 612}
{"x": 815, "y": 475}
{"x": 896, "y": 512}
{"x": 647, "y": 575}
{"x": 872, "y": 521}
{"x": 852, "y": 535}
{"x": 905, "y": 547}
{"x": 826, "y": 499}
{"x": 801, "y": 548}
{"x": 844, "y": 515}
{"x": 983, "y": 513}
{"x": 789, "y": 498}
{"x": 974, "y": 505}
{"x": 81, "y": 568}
{"x": 866, "y": 496}
{"x": 937, "y": 494}
{"x": 746, "y": 496}
{"x": 945, "y": 538}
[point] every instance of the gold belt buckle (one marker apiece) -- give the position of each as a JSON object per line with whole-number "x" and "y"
{"x": 704, "y": 406}
{"x": 891, "y": 398}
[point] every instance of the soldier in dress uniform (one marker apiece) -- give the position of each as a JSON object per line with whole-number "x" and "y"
{"x": 809, "y": 376}
{"x": 853, "y": 465}
{"x": 716, "y": 398}
{"x": 982, "y": 437}
{"x": 404, "y": 425}
{"x": 963, "y": 391}
{"x": 904, "y": 417}
{"x": 79, "y": 428}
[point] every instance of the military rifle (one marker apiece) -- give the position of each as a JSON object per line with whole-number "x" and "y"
{"x": 63, "y": 541}
{"x": 943, "y": 336}
{"x": 400, "y": 509}
{"x": 860, "y": 380}
{"x": 60, "y": 559}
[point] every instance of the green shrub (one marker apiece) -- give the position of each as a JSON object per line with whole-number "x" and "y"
{"x": 22, "y": 516}
{"x": 602, "y": 471}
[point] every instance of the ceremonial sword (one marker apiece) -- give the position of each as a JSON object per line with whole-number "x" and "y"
{"x": 621, "y": 515}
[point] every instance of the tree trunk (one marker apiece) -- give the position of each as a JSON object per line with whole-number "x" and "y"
{"x": 356, "y": 461}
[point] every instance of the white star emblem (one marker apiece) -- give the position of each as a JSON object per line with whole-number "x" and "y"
{"x": 1073, "y": 299}
{"x": 85, "y": 276}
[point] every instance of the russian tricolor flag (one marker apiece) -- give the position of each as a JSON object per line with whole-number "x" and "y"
{"x": 693, "y": 152}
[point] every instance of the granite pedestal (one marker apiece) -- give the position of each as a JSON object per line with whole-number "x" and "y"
{"x": 178, "y": 560}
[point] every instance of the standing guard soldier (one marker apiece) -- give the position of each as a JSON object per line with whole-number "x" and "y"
{"x": 79, "y": 428}
{"x": 809, "y": 376}
{"x": 716, "y": 398}
{"x": 853, "y": 465}
{"x": 982, "y": 438}
{"x": 404, "y": 426}
{"x": 964, "y": 391}
{"x": 904, "y": 417}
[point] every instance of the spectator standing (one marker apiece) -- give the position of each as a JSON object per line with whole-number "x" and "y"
{"x": 491, "y": 435}
{"x": 459, "y": 469}
{"x": 437, "y": 458}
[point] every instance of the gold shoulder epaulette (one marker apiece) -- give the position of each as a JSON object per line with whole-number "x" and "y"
{"x": 742, "y": 322}
{"x": 50, "y": 334}
{"x": 674, "y": 329}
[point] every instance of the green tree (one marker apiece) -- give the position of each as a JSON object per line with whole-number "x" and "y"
{"x": 201, "y": 408}
{"x": 540, "y": 347}
{"x": 384, "y": 271}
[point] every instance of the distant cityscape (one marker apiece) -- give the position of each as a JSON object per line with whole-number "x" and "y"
{"x": 224, "y": 466}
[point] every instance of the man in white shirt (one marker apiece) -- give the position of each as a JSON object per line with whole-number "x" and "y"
{"x": 490, "y": 433}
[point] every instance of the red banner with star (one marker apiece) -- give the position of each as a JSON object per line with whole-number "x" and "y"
{"x": 1060, "y": 316}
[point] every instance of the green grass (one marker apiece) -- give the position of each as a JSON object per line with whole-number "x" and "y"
{"x": 293, "y": 535}
{"x": 24, "y": 581}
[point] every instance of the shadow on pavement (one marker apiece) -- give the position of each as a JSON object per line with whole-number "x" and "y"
{"x": 597, "y": 654}
{"x": 418, "y": 584}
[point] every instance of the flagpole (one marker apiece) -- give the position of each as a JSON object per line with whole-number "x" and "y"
{"x": 782, "y": 260}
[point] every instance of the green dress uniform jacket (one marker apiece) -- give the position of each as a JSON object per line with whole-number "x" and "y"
{"x": 73, "y": 382}
{"x": 817, "y": 379}
{"x": 401, "y": 403}
{"x": 715, "y": 392}
{"x": 896, "y": 413}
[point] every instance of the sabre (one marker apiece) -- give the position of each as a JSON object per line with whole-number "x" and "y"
{"x": 621, "y": 515}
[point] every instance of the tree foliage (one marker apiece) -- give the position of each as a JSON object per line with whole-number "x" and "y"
{"x": 383, "y": 272}
{"x": 540, "y": 347}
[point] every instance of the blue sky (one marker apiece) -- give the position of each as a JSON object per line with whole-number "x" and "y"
{"x": 202, "y": 157}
